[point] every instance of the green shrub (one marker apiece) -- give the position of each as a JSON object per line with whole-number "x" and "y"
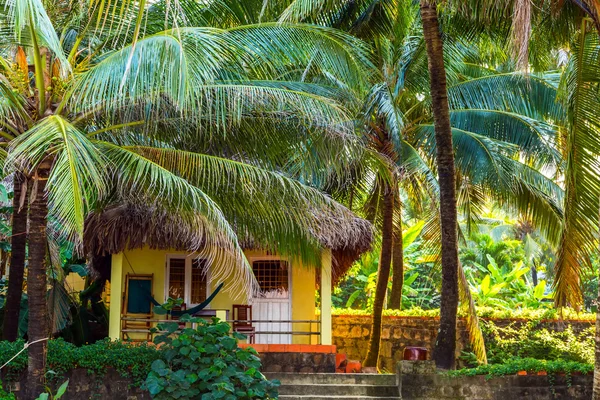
{"x": 129, "y": 360}
{"x": 205, "y": 362}
{"x": 4, "y": 395}
{"x": 531, "y": 365}
{"x": 533, "y": 314}
{"x": 527, "y": 340}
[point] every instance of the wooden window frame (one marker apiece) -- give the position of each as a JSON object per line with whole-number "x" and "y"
{"x": 187, "y": 288}
{"x": 253, "y": 259}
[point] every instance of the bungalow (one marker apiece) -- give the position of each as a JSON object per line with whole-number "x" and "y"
{"x": 154, "y": 257}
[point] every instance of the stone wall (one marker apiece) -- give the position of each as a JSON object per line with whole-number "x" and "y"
{"x": 304, "y": 358}
{"x": 298, "y": 362}
{"x": 419, "y": 384}
{"x": 83, "y": 386}
{"x": 351, "y": 335}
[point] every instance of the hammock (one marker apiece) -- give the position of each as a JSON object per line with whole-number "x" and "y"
{"x": 190, "y": 311}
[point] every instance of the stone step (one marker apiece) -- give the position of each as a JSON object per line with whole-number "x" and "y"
{"x": 334, "y": 379}
{"x": 344, "y": 390}
{"x": 294, "y": 397}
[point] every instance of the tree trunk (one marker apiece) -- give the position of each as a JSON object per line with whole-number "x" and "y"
{"x": 397, "y": 261}
{"x": 36, "y": 291}
{"x": 17, "y": 264}
{"x": 383, "y": 276}
{"x": 444, "y": 352}
{"x": 534, "y": 275}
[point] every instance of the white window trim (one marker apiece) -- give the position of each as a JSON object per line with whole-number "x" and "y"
{"x": 187, "y": 289}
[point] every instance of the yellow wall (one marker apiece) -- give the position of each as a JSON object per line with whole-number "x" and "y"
{"x": 148, "y": 261}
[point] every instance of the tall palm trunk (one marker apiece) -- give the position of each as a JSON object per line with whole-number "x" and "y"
{"x": 18, "y": 243}
{"x": 446, "y": 340}
{"x": 397, "y": 260}
{"x": 36, "y": 290}
{"x": 383, "y": 276}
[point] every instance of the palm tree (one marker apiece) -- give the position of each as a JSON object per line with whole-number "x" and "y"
{"x": 444, "y": 353}
{"x": 108, "y": 108}
{"x": 491, "y": 133}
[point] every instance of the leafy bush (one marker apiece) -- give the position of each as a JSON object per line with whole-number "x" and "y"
{"x": 131, "y": 361}
{"x": 531, "y": 365}
{"x": 4, "y": 395}
{"x": 483, "y": 312}
{"x": 205, "y": 362}
{"x": 529, "y": 341}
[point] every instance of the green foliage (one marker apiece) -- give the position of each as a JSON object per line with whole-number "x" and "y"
{"x": 205, "y": 362}
{"x": 505, "y": 286}
{"x": 129, "y": 360}
{"x": 48, "y": 395}
{"x": 531, "y": 365}
{"x": 4, "y": 395}
{"x": 529, "y": 340}
{"x": 483, "y": 312}
{"x": 420, "y": 282}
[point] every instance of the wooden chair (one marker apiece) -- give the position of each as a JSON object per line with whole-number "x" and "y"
{"x": 242, "y": 321}
{"x": 136, "y": 304}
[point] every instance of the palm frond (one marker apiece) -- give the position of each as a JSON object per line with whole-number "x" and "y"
{"x": 31, "y": 14}
{"x": 468, "y": 306}
{"x": 536, "y": 140}
{"x": 286, "y": 215}
{"x": 579, "y": 90}
{"x": 203, "y": 72}
{"x": 77, "y": 178}
{"x": 528, "y": 95}
{"x": 139, "y": 179}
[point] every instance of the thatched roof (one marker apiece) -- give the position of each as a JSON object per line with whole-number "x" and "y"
{"x": 129, "y": 226}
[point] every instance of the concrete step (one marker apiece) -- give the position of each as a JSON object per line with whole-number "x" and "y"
{"x": 338, "y": 390}
{"x": 334, "y": 379}
{"x": 294, "y": 397}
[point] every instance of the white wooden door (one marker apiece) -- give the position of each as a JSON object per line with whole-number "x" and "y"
{"x": 273, "y": 304}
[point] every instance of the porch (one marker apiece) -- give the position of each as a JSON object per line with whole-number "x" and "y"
{"x": 283, "y": 313}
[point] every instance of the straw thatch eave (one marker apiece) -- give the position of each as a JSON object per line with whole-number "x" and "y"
{"x": 129, "y": 226}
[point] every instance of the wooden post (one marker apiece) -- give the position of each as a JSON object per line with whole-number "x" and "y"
{"x": 116, "y": 296}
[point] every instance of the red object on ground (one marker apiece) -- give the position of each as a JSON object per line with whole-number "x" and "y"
{"x": 522, "y": 373}
{"x": 340, "y": 362}
{"x": 415, "y": 353}
{"x": 353, "y": 367}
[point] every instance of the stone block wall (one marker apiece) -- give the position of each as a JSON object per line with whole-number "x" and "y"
{"x": 304, "y": 358}
{"x": 351, "y": 335}
{"x": 298, "y": 362}
{"x": 420, "y": 381}
{"x": 84, "y": 386}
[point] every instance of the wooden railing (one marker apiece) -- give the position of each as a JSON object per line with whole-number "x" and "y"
{"x": 135, "y": 328}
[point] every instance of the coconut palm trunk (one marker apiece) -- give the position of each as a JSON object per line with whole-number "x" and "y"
{"x": 36, "y": 288}
{"x": 18, "y": 243}
{"x": 444, "y": 352}
{"x": 397, "y": 261}
{"x": 383, "y": 276}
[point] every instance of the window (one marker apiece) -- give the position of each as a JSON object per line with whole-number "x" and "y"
{"x": 177, "y": 278}
{"x": 199, "y": 270}
{"x": 272, "y": 277}
{"x": 187, "y": 279}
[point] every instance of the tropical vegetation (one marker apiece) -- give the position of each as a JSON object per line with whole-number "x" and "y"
{"x": 465, "y": 131}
